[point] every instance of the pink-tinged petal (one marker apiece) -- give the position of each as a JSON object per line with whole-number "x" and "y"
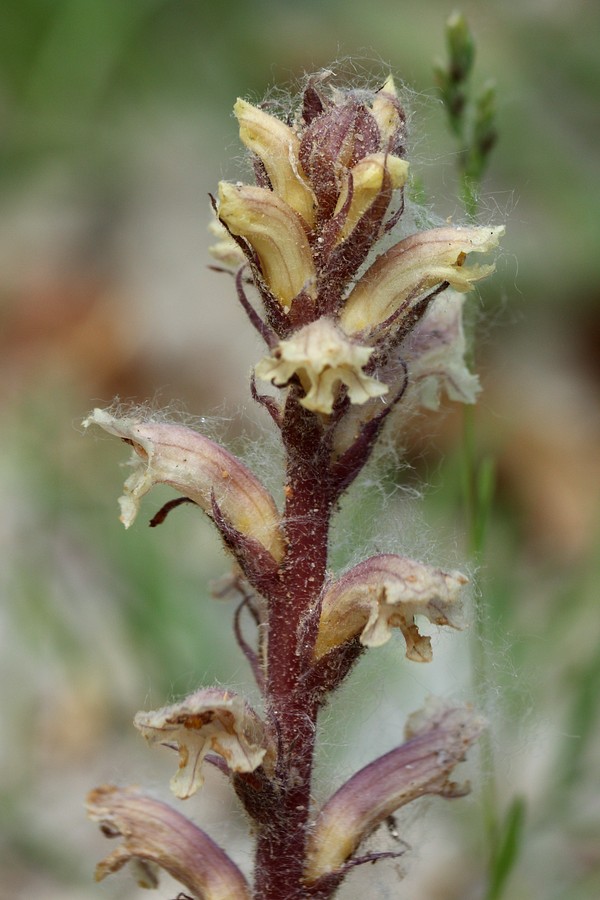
{"x": 386, "y": 592}
{"x": 277, "y": 145}
{"x": 276, "y": 234}
{"x": 154, "y": 835}
{"x": 210, "y": 720}
{"x": 412, "y": 267}
{"x": 438, "y": 739}
{"x": 196, "y": 467}
{"x": 435, "y": 355}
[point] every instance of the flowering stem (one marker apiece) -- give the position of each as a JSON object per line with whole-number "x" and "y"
{"x": 292, "y": 713}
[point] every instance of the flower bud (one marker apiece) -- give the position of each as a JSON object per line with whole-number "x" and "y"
{"x": 367, "y": 182}
{"x": 277, "y": 145}
{"x": 155, "y": 835}
{"x": 414, "y": 266}
{"x": 386, "y": 592}
{"x": 390, "y": 117}
{"x": 276, "y": 233}
{"x": 324, "y": 359}
{"x": 199, "y": 469}
{"x": 438, "y": 740}
{"x": 209, "y": 720}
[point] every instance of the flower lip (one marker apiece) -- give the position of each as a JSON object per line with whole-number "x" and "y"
{"x": 385, "y": 592}
{"x": 209, "y": 720}
{"x": 323, "y": 358}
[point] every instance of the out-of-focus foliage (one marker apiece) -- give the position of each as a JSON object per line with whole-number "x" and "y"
{"x": 116, "y": 122}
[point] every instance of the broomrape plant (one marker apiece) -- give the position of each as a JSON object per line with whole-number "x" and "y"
{"x": 352, "y": 335}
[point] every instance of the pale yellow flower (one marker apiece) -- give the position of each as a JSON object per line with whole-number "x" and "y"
{"x": 324, "y": 359}
{"x": 414, "y": 266}
{"x": 275, "y": 232}
{"x": 277, "y": 146}
{"x": 386, "y": 592}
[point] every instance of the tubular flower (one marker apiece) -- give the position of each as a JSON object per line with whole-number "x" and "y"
{"x": 275, "y": 233}
{"x": 386, "y": 592}
{"x": 199, "y": 469}
{"x": 277, "y": 146}
{"x": 323, "y": 358}
{"x": 411, "y": 268}
{"x": 154, "y": 835}
{"x": 209, "y": 720}
{"x": 438, "y": 738}
{"x": 434, "y": 354}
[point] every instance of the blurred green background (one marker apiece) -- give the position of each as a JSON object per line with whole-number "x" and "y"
{"x": 116, "y": 123}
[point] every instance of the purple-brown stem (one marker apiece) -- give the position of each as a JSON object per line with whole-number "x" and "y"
{"x": 292, "y": 709}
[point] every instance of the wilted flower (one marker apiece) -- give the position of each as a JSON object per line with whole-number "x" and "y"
{"x": 199, "y": 469}
{"x": 386, "y": 592}
{"x": 209, "y": 720}
{"x": 435, "y": 355}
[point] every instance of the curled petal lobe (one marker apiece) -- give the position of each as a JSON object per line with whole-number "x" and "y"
{"x": 196, "y": 467}
{"x": 277, "y": 145}
{"x": 154, "y": 835}
{"x": 414, "y": 266}
{"x": 438, "y": 738}
{"x": 386, "y": 592}
{"x": 275, "y": 232}
{"x": 209, "y": 721}
{"x": 323, "y": 358}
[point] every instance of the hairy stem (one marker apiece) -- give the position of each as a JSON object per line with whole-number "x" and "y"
{"x": 293, "y": 616}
